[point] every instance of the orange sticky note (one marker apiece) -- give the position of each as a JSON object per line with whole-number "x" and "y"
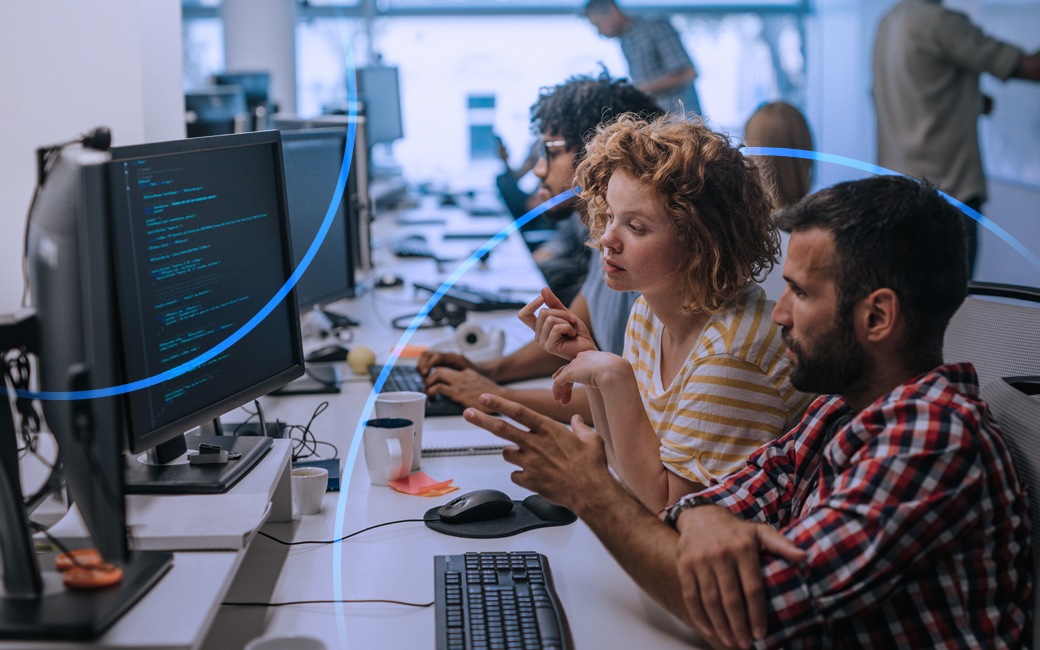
{"x": 412, "y": 351}
{"x": 419, "y": 484}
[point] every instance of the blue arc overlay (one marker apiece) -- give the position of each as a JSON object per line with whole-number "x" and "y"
{"x": 337, "y": 196}
{"x": 874, "y": 169}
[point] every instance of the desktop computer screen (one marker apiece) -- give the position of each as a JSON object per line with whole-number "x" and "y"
{"x": 141, "y": 259}
{"x": 379, "y": 91}
{"x": 313, "y": 158}
{"x": 215, "y": 110}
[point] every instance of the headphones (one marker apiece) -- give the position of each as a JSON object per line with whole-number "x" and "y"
{"x": 442, "y": 314}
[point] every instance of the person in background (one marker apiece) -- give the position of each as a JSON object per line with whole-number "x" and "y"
{"x": 657, "y": 61}
{"x": 564, "y": 115}
{"x": 778, "y": 124}
{"x": 892, "y": 516}
{"x": 927, "y": 62}
{"x": 682, "y": 217}
{"x": 517, "y": 201}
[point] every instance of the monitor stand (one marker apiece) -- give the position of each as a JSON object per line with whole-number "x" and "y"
{"x": 34, "y": 604}
{"x": 166, "y": 469}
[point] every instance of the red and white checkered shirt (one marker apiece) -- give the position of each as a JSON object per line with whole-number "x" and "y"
{"x": 913, "y": 516}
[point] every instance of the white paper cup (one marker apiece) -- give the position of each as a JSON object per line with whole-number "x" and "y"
{"x": 308, "y": 489}
{"x": 410, "y": 406}
{"x": 389, "y": 443}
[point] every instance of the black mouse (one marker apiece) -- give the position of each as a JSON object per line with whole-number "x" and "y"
{"x": 547, "y": 510}
{"x": 388, "y": 281}
{"x": 480, "y": 505}
{"x": 327, "y": 354}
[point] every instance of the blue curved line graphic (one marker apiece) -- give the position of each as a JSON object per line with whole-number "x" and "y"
{"x": 359, "y": 429}
{"x": 337, "y": 196}
{"x": 874, "y": 169}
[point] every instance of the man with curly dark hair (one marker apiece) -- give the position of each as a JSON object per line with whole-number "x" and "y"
{"x": 564, "y": 115}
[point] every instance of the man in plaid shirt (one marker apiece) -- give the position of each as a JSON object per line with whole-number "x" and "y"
{"x": 891, "y": 516}
{"x": 657, "y": 61}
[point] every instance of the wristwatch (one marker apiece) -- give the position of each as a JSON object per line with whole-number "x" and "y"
{"x": 672, "y": 512}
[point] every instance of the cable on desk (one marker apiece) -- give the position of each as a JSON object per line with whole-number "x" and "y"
{"x": 319, "y": 602}
{"x": 56, "y": 542}
{"x": 308, "y": 441}
{"x": 345, "y": 537}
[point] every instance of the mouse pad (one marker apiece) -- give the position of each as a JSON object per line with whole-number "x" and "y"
{"x": 520, "y": 519}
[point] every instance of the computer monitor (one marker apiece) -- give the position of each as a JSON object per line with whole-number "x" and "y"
{"x": 216, "y": 110}
{"x": 189, "y": 240}
{"x": 358, "y": 220}
{"x": 313, "y": 158}
{"x": 379, "y": 92}
{"x": 255, "y": 85}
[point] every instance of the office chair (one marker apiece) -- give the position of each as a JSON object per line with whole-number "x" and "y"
{"x": 1017, "y": 412}
{"x": 999, "y": 337}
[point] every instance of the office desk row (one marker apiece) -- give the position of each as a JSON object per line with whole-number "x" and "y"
{"x": 603, "y": 606}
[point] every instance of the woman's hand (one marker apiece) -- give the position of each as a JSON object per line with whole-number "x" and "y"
{"x": 557, "y": 330}
{"x": 592, "y": 369}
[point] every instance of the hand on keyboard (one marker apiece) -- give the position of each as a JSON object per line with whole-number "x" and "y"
{"x": 462, "y": 386}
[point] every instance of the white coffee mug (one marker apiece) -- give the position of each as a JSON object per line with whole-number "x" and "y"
{"x": 308, "y": 489}
{"x": 410, "y": 406}
{"x": 389, "y": 443}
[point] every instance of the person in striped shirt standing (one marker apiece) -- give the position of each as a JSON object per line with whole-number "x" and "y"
{"x": 681, "y": 216}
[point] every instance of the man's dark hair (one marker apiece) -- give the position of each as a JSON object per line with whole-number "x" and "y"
{"x": 575, "y": 108}
{"x": 593, "y": 7}
{"x": 894, "y": 232}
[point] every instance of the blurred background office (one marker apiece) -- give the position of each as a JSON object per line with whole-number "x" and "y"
{"x": 468, "y": 71}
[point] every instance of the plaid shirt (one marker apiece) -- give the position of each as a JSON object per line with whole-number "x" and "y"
{"x": 654, "y": 50}
{"x": 913, "y": 516}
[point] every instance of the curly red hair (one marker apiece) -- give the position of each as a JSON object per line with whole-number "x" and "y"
{"x": 715, "y": 196}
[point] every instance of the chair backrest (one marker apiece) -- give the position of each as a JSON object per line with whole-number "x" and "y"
{"x": 1018, "y": 414}
{"x": 997, "y": 329}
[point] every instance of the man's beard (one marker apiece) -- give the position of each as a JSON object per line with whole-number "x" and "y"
{"x": 833, "y": 364}
{"x": 560, "y": 212}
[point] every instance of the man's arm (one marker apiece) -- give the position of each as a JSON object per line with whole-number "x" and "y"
{"x": 1028, "y": 67}
{"x": 667, "y": 82}
{"x": 569, "y": 468}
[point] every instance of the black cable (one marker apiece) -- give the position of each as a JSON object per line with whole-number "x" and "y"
{"x": 345, "y": 537}
{"x": 319, "y": 602}
{"x": 57, "y": 542}
{"x": 308, "y": 442}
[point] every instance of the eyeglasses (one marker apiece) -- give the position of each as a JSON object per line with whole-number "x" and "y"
{"x": 545, "y": 145}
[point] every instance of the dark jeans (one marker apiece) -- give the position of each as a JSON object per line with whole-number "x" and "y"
{"x": 971, "y": 230}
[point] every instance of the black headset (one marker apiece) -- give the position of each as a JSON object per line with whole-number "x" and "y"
{"x": 441, "y": 314}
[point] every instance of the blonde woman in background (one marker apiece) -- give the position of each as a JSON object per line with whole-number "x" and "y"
{"x": 778, "y": 124}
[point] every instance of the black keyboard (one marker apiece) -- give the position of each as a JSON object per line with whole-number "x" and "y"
{"x": 497, "y": 600}
{"x": 408, "y": 378}
{"x": 411, "y": 246}
{"x": 473, "y": 299}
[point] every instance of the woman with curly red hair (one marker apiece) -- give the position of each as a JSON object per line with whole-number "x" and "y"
{"x": 681, "y": 216}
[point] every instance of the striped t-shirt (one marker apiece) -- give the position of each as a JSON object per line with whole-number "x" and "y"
{"x": 732, "y": 395}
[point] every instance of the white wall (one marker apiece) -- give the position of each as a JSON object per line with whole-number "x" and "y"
{"x": 839, "y": 45}
{"x": 260, "y": 35}
{"x": 67, "y": 67}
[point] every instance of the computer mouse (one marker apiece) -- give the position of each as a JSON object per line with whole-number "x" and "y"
{"x": 388, "y": 281}
{"x": 480, "y": 505}
{"x": 327, "y": 354}
{"x": 547, "y": 510}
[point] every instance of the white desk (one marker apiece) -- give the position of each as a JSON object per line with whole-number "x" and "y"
{"x": 603, "y": 606}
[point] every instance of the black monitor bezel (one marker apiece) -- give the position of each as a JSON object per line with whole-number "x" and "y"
{"x": 347, "y": 208}
{"x": 138, "y": 441}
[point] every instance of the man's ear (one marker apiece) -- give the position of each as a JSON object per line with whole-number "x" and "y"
{"x": 878, "y": 317}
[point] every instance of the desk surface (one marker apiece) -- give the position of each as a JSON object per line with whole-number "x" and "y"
{"x": 603, "y": 606}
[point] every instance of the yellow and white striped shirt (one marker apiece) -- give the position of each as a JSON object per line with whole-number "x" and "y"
{"x": 732, "y": 395}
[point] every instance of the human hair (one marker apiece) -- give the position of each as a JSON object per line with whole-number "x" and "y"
{"x": 778, "y": 124}
{"x": 599, "y": 7}
{"x": 897, "y": 233}
{"x": 576, "y": 107}
{"x": 713, "y": 194}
